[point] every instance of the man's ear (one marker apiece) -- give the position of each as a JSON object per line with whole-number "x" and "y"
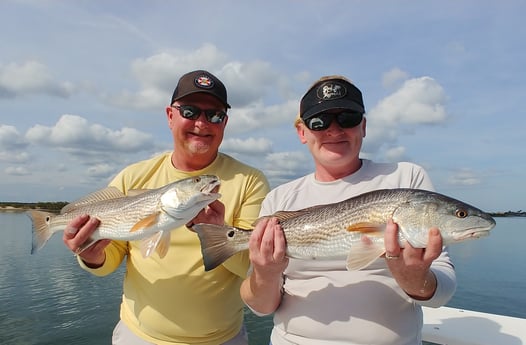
{"x": 300, "y": 129}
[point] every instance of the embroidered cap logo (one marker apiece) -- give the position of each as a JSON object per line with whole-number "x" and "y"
{"x": 331, "y": 90}
{"x": 204, "y": 82}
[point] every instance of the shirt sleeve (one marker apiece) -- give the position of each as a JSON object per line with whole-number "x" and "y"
{"x": 248, "y": 212}
{"x": 445, "y": 275}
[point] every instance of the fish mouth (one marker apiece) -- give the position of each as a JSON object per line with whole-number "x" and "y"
{"x": 473, "y": 233}
{"x": 212, "y": 187}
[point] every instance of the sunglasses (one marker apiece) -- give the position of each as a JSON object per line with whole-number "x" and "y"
{"x": 192, "y": 112}
{"x": 345, "y": 119}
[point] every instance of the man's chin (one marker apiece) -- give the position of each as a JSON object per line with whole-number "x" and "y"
{"x": 199, "y": 148}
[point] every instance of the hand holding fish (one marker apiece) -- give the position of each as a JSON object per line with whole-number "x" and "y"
{"x": 77, "y": 232}
{"x": 267, "y": 247}
{"x": 267, "y": 250}
{"x": 214, "y": 213}
{"x": 410, "y": 266}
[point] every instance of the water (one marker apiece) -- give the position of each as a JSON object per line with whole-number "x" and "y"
{"x": 47, "y": 299}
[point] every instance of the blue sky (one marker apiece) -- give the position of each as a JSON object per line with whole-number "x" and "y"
{"x": 83, "y": 86}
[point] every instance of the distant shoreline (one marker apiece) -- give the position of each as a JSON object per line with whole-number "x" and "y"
{"x": 57, "y": 206}
{"x": 18, "y": 207}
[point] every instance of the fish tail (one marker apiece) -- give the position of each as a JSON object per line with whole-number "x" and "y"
{"x": 40, "y": 229}
{"x": 215, "y": 246}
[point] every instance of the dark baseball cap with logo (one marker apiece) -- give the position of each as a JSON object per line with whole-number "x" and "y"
{"x": 328, "y": 93}
{"x": 200, "y": 81}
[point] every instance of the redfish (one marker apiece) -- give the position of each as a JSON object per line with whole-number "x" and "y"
{"x": 147, "y": 215}
{"x": 354, "y": 228}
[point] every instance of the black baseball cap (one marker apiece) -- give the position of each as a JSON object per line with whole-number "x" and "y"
{"x": 200, "y": 81}
{"x": 332, "y": 92}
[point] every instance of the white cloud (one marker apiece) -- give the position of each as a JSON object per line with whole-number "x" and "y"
{"x": 247, "y": 146}
{"x": 419, "y": 101}
{"x": 33, "y": 77}
{"x": 75, "y": 133}
{"x": 102, "y": 170}
{"x": 157, "y": 76}
{"x": 394, "y": 77}
{"x": 281, "y": 167}
{"x": 10, "y": 138}
{"x": 464, "y": 177}
{"x": 14, "y": 156}
{"x": 17, "y": 171}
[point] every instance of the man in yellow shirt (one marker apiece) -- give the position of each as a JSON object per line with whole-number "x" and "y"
{"x": 172, "y": 300}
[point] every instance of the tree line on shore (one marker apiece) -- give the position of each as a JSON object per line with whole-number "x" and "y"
{"x": 52, "y": 206}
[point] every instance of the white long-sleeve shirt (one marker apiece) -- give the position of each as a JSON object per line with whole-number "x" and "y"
{"x": 323, "y": 303}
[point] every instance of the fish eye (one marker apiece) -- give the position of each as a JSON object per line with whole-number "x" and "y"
{"x": 231, "y": 233}
{"x": 461, "y": 213}
{"x": 197, "y": 179}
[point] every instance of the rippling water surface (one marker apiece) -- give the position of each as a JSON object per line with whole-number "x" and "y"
{"x": 47, "y": 299}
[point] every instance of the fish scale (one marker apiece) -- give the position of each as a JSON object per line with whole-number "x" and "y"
{"x": 354, "y": 228}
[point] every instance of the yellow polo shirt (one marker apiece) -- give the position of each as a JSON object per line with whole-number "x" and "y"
{"x": 173, "y": 300}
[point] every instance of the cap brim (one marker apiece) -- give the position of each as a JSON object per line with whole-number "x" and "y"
{"x": 202, "y": 91}
{"x": 334, "y": 104}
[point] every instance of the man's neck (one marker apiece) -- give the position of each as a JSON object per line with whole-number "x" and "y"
{"x": 328, "y": 173}
{"x": 192, "y": 162}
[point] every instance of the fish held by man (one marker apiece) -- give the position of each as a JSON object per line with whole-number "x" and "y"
{"x": 354, "y": 228}
{"x": 147, "y": 214}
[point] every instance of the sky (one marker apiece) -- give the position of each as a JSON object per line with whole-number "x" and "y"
{"x": 84, "y": 85}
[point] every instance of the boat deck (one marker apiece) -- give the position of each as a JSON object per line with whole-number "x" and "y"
{"x": 453, "y": 326}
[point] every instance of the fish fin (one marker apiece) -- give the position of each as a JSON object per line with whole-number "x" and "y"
{"x": 284, "y": 215}
{"x": 160, "y": 242}
{"x": 364, "y": 253}
{"x": 164, "y": 244}
{"x": 88, "y": 243}
{"x": 215, "y": 246}
{"x": 107, "y": 193}
{"x": 146, "y": 222}
{"x": 134, "y": 192}
{"x": 371, "y": 229}
{"x": 41, "y": 232}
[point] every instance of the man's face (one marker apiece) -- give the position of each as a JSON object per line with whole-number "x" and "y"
{"x": 199, "y": 136}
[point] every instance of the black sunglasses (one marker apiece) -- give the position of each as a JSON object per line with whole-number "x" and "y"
{"x": 192, "y": 112}
{"x": 345, "y": 119}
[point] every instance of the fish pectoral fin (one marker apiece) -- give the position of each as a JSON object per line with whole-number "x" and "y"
{"x": 164, "y": 244}
{"x": 371, "y": 229}
{"x": 159, "y": 242}
{"x": 146, "y": 223}
{"x": 364, "y": 253}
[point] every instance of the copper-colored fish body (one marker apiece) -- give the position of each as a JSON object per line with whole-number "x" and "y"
{"x": 354, "y": 228}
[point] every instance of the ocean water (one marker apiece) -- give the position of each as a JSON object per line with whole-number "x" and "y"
{"x": 47, "y": 299}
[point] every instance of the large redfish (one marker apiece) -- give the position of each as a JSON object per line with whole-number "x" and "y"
{"x": 148, "y": 215}
{"x": 354, "y": 228}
